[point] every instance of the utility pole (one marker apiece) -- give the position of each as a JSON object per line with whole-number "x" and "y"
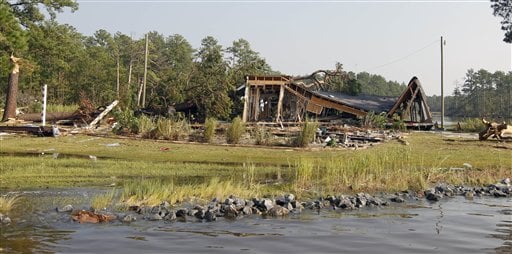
{"x": 145, "y": 73}
{"x": 442, "y": 84}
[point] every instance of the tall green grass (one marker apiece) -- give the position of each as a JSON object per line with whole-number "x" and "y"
{"x": 471, "y": 125}
{"x": 307, "y": 134}
{"x": 235, "y": 131}
{"x": 209, "y": 129}
{"x": 172, "y": 129}
{"x": 8, "y": 203}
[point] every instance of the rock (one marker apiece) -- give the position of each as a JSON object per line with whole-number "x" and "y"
{"x": 230, "y": 212}
{"x": 165, "y": 205}
{"x": 200, "y": 214}
{"x": 247, "y": 210}
{"x": 469, "y": 194}
{"x": 209, "y": 216}
{"x": 265, "y": 204}
{"x": 397, "y": 199}
{"x": 289, "y": 197}
{"x": 506, "y": 181}
{"x": 6, "y": 220}
{"x": 432, "y": 196}
{"x": 171, "y": 216}
{"x": 65, "y": 209}
{"x": 181, "y": 212}
{"x": 498, "y": 193}
{"x": 154, "y": 217}
{"x": 229, "y": 201}
{"x": 129, "y": 218}
{"x": 278, "y": 211}
{"x": 92, "y": 217}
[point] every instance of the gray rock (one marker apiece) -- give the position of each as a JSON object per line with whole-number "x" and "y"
{"x": 397, "y": 199}
{"x": 506, "y": 181}
{"x": 200, "y": 214}
{"x": 278, "y": 211}
{"x": 247, "y": 210}
{"x": 210, "y": 216}
{"x": 5, "y": 220}
{"x": 165, "y": 205}
{"x": 289, "y": 197}
{"x": 433, "y": 197}
{"x": 181, "y": 212}
{"x": 229, "y": 201}
{"x": 154, "y": 217}
{"x": 499, "y": 193}
{"x": 230, "y": 212}
{"x": 65, "y": 209}
{"x": 129, "y": 218}
{"x": 266, "y": 204}
{"x": 171, "y": 216}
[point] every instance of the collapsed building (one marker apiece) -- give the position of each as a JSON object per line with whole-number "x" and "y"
{"x": 285, "y": 99}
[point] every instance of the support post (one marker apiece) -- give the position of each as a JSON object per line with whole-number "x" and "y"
{"x": 246, "y": 100}
{"x": 442, "y": 85}
{"x": 256, "y": 103}
{"x": 280, "y": 103}
{"x": 43, "y": 113}
{"x": 145, "y": 73}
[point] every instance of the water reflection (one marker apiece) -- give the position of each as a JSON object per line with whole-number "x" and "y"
{"x": 484, "y": 225}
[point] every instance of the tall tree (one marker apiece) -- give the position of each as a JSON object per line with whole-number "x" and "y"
{"x": 209, "y": 86}
{"x": 243, "y": 61}
{"x": 503, "y": 8}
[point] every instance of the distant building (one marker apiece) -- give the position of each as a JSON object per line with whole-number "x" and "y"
{"x": 281, "y": 99}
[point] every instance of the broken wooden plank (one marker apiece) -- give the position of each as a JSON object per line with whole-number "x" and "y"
{"x": 103, "y": 114}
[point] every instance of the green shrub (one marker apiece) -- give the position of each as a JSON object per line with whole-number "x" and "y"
{"x": 171, "y": 129}
{"x": 126, "y": 122}
{"x": 235, "y": 131}
{"x": 373, "y": 120}
{"x": 262, "y": 136}
{"x": 209, "y": 129}
{"x": 146, "y": 127}
{"x": 307, "y": 134}
{"x": 471, "y": 125}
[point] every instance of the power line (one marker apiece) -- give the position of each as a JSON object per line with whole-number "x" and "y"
{"x": 404, "y": 57}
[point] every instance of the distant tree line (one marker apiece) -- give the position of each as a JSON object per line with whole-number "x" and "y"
{"x": 106, "y": 66}
{"x": 483, "y": 94}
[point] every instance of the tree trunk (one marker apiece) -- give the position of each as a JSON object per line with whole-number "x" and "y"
{"x": 12, "y": 91}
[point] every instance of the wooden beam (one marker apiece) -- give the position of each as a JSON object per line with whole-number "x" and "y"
{"x": 246, "y": 100}
{"x": 280, "y": 104}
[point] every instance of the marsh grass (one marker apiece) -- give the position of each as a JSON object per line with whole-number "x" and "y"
{"x": 307, "y": 134}
{"x": 8, "y": 203}
{"x": 202, "y": 172}
{"x": 209, "y": 129}
{"x": 52, "y": 108}
{"x": 472, "y": 125}
{"x": 262, "y": 135}
{"x": 235, "y": 131}
{"x": 172, "y": 129}
{"x": 146, "y": 127}
{"x": 154, "y": 191}
{"x": 105, "y": 200}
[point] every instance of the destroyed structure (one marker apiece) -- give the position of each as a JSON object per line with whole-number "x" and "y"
{"x": 285, "y": 99}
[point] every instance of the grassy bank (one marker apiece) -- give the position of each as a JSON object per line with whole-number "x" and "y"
{"x": 149, "y": 171}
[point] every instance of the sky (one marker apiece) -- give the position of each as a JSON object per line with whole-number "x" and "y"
{"x": 396, "y": 39}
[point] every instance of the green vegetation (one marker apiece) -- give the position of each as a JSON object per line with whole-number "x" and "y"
{"x": 262, "y": 135}
{"x": 471, "y": 125}
{"x": 209, "y": 129}
{"x": 149, "y": 174}
{"x": 235, "y": 131}
{"x": 483, "y": 94}
{"x": 7, "y": 203}
{"x": 307, "y": 134}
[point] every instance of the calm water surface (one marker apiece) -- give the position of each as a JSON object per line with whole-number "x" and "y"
{"x": 454, "y": 225}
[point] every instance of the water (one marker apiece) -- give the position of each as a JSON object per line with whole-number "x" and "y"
{"x": 454, "y": 225}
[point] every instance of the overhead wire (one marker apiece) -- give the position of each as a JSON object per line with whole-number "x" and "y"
{"x": 405, "y": 57}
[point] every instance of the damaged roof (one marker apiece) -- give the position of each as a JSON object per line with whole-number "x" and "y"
{"x": 373, "y": 103}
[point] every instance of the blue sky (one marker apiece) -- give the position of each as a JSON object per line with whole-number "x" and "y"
{"x": 396, "y": 39}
